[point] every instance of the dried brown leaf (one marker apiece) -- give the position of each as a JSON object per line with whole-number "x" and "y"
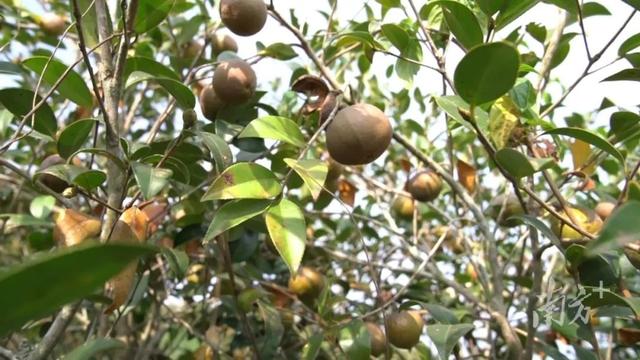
{"x": 73, "y": 227}
{"x": 466, "y": 175}
{"x": 347, "y": 192}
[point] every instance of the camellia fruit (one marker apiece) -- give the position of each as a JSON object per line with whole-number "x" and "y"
{"x": 403, "y": 207}
{"x": 223, "y": 42}
{"x": 378, "y": 341}
{"x": 243, "y": 17}
{"x": 307, "y": 284}
{"x": 234, "y": 81}
{"x": 210, "y": 103}
{"x": 404, "y": 329}
{"x": 52, "y": 24}
{"x": 604, "y": 209}
{"x": 425, "y": 185}
{"x": 358, "y": 134}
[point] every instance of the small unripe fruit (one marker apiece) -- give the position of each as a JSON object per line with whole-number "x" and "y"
{"x": 403, "y": 207}
{"x": 378, "y": 341}
{"x": 307, "y": 284}
{"x": 247, "y": 298}
{"x": 189, "y": 118}
{"x": 52, "y": 24}
{"x": 54, "y": 183}
{"x": 223, "y": 42}
{"x": 358, "y": 134}
{"x": 234, "y": 81}
{"x": 404, "y": 328}
{"x": 604, "y": 209}
{"x": 425, "y": 185}
{"x": 210, "y": 103}
{"x": 243, "y": 17}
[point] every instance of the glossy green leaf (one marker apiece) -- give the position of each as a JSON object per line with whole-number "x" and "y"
{"x": 312, "y": 172}
{"x": 396, "y": 35}
{"x": 286, "y": 226}
{"x": 72, "y": 87}
{"x": 234, "y": 213}
{"x": 356, "y": 341}
{"x": 220, "y": 151}
{"x": 513, "y": 9}
{"x": 10, "y": 68}
{"x": 280, "y": 51}
{"x": 590, "y": 138}
{"x": 92, "y": 348}
{"x": 461, "y": 21}
{"x": 445, "y": 337}
{"x": 150, "y": 179}
{"x": 19, "y": 102}
{"x": 89, "y": 21}
{"x": 625, "y": 75}
{"x": 599, "y": 297}
{"x": 621, "y": 227}
{"x": 629, "y": 44}
{"x": 99, "y": 152}
{"x": 487, "y": 72}
{"x": 151, "y": 13}
{"x": 41, "y": 206}
{"x": 244, "y": 181}
{"x": 491, "y": 7}
{"x": 451, "y": 105}
{"x": 78, "y": 175}
{"x": 149, "y": 66}
{"x": 181, "y": 93}
{"x": 274, "y": 128}
{"x": 519, "y": 165}
{"x": 441, "y": 314}
{"x": 633, "y": 3}
{"x": 178, "y": 261}
{"x": 73, "y": 136}
{"x": 43, "y": 283}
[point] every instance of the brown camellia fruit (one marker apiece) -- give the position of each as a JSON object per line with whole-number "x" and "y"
{"x": 425, "y": 185}
{"x": 307, "y": 284}
{"x": 604, "y": 209}
{"x": 243, "y": 17}
{"x": 52, "y": 24}
{"x": 404, "y": 328}
{"x": 54, "y": 183}
{"x": 234, "y": 81}
{"x": 403, "y": 206}
{"x": 358, "y": 134}
{"x": 223, "y": 42}
{"x": 210, "y": 103}
{"x": 191, "y": 49}
{"x": 378, "y": 341}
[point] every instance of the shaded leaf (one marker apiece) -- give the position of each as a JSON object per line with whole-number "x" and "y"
{"x": 278, "y": 51}
{"x": 445, "y": 337}
{"x": 93, "y": 347}
{"x": 461, "y": 21}
{"x": 19, "y": 101}
{"x": 149, "y": 66}
{"x": 73, "y": 136}
{"x": 591, "y": 138}
{"x": 72, "y": 87}
{"x": 220, "y": 151}
{"x": 150, "y": 179}
{"x": 151, "y": 13}
{"x": 622, "y": 227}
{"x": 234, "y": 213}
{"x": 519, "y": 165}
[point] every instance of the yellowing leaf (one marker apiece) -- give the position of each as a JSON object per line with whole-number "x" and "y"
{"x": 286, "y": 226}
{"x": 131, "y": 228}
{"x": 312, "y": 172}
{"x": 581, "y": 151}
{"x": 503, "y": 118}
{"x": 73, "y": 227}
{"x": 466, "y": 175}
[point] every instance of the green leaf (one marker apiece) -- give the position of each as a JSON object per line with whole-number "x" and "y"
{"x": 445, "y": 337}
{"x": 396, "y": 35}
{"x": 591, "y": 138}
{"x": 623, "y": 124}
{"x": 312, "y": 172}
{"x": 513, "y": 9}
{"x": 43, "y": 283}
{"x": 311, "y": 349}
{"x": 19, "y": 101}
{"x": 633, "y": 3}
{"x": 89, "y": 21}
{"x": 9, "y": 68}
{"x": 451, "y": 105}
{"x": 73, "y": 136}
{"x": 100, "y": 152}
{"x": 78, "y": 175}
{"x": 441, "y": 314}
{"x": 621, "y": 227}
{"x": 461, "y": 21}
{"x": 220, "y": 151}
{"x": 72, "y": 87}
{"x": 274, "y": 128}
{"x": 178, "y": 261}
{"x": 278, "y": 51}
{"x": 356, "y": 341}
{"x": 181, "y": 93}
{"x": 542, "y": 227}
{"x": 286, "y": 226}
{"x": 625, "y": 75}
{"x": 41, "y": 206}
{"x": 150, "y": 179}
{"x": 602, "y": 297}
{"x": 151, "y": 13}
{"x": 490, "y": 7}
{"x": 487, "y": 72}
{"x": 520, "y": 165}
{"x": 630, "y": 44}
{"x": 18, "y": 220}
{"x": 93, "y": 347}
{"x": 148, "y": 66}
{"x": 244, "y": 181}
{"x": 234, "y": 213}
